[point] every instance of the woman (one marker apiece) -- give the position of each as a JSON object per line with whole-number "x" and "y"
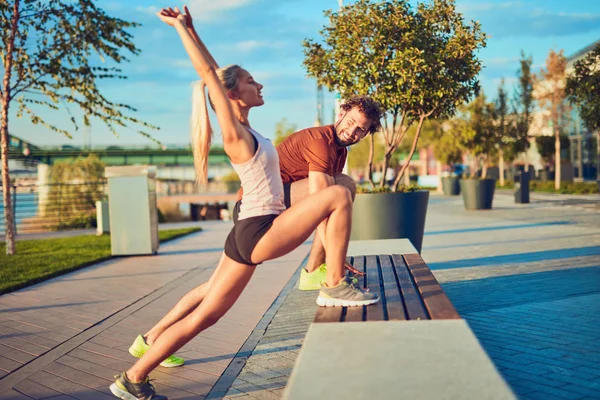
{"x": 264, "y": 230}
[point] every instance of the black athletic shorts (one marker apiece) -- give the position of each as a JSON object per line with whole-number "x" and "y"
{"x": 245, "y": 235}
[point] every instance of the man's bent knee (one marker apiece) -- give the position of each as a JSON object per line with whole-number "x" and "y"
{"x": 347, "y": 182}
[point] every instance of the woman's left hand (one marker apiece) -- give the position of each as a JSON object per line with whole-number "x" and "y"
{"x": 169, "y": 16}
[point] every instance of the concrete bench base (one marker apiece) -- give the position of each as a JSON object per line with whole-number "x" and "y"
{"x": 394, "y": 360}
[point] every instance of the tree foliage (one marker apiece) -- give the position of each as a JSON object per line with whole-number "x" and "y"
{"x": 546, "y": 146}
{"x": 358, "y": 154}
{"x": 418, "y": 62}
{"x": 475, "y": 125}
{"x": 75, "y": 186}
{"x": 550, "y": 94}
{"x": 522, "y": 109}
{"x": 447, "y": 146}
{"x": 583, "y": 88}
{"x": 61, "y": 53}
{"x": 283, "y": 129}
{"x": 54, "y": 53}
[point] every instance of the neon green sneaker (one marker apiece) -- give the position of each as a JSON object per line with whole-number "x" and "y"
{"x": 313, "y": 280}
{"x": 140, "y": 347}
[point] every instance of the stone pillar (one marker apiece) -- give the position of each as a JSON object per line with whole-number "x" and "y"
{"x": 43, "y": 188}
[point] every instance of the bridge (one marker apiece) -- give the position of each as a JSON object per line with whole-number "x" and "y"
{"x": 28, "y": 153}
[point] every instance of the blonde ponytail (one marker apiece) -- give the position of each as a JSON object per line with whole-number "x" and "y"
{"x": 201, "y": 132}
{"x": 200, "y": 123}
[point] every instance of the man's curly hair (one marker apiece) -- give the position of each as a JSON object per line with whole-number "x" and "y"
{"x": 369, "y": 107}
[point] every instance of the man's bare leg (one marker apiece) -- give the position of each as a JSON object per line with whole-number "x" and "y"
{"x": 299, "y": 191}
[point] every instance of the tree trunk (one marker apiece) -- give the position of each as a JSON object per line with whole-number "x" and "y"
{"x": 410, "y": 155}
{"x": 371, "y": 155}
{"x": 557, "y": 171}
{"x": 484, "y": 168}
{"x": 501, "y": 167}
{"x": 386, "y": 163}
{"x": 8, "y": 206}
{"x": 438, "y": 167}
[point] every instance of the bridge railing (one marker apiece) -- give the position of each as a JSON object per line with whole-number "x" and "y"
{"x": 53, "y": 207}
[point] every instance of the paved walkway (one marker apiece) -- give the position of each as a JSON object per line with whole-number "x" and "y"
{"x": 67, "y": 337}
{"x": 525, "y": 277}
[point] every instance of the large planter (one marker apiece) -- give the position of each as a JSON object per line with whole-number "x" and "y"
{"x": 478, "y": 194}
{"x": 451, "y": 185}
{"x": 390, "y": 216}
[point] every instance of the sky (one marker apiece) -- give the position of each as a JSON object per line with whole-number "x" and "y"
{"x": 265, "y": 37}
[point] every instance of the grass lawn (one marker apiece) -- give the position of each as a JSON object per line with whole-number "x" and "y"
{"x": 38, "y": 260}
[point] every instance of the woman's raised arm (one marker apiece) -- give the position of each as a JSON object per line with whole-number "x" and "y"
{"x": 232, "y": 130}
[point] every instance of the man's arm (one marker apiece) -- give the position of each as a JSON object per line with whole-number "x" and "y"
{"x": 318, "y": 181}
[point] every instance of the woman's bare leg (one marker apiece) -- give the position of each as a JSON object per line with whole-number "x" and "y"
{"x": 227, "y": 286}
{"x": 186, "y": 305}
{"x": 294, "y": 226}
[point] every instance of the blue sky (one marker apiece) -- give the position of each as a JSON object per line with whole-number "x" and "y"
{"x": 265, "y": 37}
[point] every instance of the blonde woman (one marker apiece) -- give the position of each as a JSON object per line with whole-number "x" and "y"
{"x": 264, "y": 230}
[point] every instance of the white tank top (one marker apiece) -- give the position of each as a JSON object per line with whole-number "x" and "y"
{"x": 261, "y": 181}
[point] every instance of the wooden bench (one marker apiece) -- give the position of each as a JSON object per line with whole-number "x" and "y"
{"x": 406, "y": 287}
{"x": 410, "y": 345}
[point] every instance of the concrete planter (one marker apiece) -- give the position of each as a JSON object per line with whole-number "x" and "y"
{"x": 390, "y": 216}
{"x": 478, "y": 194}
{"x": 451, "y": 185}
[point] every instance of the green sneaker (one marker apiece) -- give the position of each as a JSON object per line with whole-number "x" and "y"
{"x": 313, "y": 280}
{"x": 346, "y": 294}
{"x": 124, "y": 389}
{"x": 140, "y": 347}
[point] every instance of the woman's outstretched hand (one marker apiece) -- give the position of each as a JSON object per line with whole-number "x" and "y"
{"x": 169, "y": 16}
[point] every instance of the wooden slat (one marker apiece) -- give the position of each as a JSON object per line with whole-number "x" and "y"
{"x": 375, "y": 311}
{"x": 436, "y": 301}
{"x": 395, "y": 308}
{"x": 355, "y": 314}
{"x": 412, "y": 298}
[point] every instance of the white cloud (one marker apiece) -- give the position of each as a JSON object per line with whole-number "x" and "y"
{"x": 500, "y": 61}
{"x": 466, "y": 7}
{"x": 248, "y": 46}
{"x": 207, "y": 10}
{"x": 181, "y": 63}
{"x": 152, "y": 10}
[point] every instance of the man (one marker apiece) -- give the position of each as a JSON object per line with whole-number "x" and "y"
{"x": 310, "y": 160}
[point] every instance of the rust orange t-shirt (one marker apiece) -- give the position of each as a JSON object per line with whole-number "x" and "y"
{"x": 311, "y": 149}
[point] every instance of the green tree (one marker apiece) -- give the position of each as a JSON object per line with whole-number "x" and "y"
{"x": 447, "y": 146}
{"x": 418, "y": 62}
{"x": 358, "y": 154}
{"x": 283, "y": 129}
{"x": 75, "y": 186}
{"x": 478, "y": 133}
{"x": 583, "y": 89}
{"x": 503, "y": 131}
{"x": 546, "y": 147}
{"x": 48, "y": 50}
{"x": 521, "y": 110}
{"x": 550, "y": 90}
